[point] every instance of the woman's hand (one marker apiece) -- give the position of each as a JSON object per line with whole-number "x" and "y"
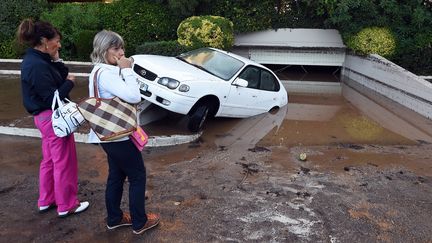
{"x": 56, "y": 56}
{"x": 123, "y": 62}
{"x": 71, "y": 78}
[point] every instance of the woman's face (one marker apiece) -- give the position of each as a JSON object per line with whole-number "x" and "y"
{"x": 52, "y": 46}
{"x": 114, "y": 54}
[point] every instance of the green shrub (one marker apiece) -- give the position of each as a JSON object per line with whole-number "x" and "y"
{"x": 249, "y": 15}
{"x": 418, "y": 61}
{"x": 84, "y": 44}
{"x": 138, "y": 22}
{"x": 9, "y": 49}
{"x": 373, "y": 40}
{"x": 202, "y": 31}
{"x": 13, "y": 12}
{"x": 71, "y": 19}
{"x": 165, "y": 48}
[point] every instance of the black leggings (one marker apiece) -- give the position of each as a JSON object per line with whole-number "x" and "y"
{"x": 125, "y": 160}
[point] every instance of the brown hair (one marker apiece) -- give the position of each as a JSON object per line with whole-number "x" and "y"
{"x": 31, "y": 33}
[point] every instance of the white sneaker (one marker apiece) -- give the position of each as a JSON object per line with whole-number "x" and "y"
{"x": 43, "y": 209}
{"x": 80, "y": 208}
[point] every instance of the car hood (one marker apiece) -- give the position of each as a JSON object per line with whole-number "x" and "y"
{"x": 172, "y": 67}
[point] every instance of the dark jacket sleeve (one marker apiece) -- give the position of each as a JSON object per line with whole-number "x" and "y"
{"x": 66, "y": 84}
{"x": 45, "y": 85}
{"x": 65, "y": 89}
{"x": 62, "y": 68}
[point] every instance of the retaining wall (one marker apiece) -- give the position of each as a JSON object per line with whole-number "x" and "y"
{"x": 390, "y": 80}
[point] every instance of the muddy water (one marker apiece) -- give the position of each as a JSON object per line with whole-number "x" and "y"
{"x": 332, "y": 130}
{"x": 10, "y": 97}
{"x": 337, "y": 132}
{"x": 348, "y": 118}
{"x": 321, "y": 120}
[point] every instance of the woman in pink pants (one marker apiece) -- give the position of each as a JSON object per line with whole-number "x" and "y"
{"x": 42, "y": 73}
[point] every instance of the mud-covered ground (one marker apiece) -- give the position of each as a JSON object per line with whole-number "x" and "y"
{"x": 341, "y": 193}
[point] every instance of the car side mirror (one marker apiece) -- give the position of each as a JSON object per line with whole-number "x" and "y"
{"x": 240, "y": 82}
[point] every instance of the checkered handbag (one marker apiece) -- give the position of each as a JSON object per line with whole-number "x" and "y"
{"x": 110, "y": 119}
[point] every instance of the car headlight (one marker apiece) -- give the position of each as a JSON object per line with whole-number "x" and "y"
{"x": 169, "y": 82}
{"x": 184, "y": 88}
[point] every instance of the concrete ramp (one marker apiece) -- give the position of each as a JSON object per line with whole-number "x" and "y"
{"x": 390, "y": 80}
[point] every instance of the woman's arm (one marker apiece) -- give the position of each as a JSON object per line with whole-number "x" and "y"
{"x": 127, "y": 89}
{"x": 44, "y": 85}
{"x": 62, "y": 68}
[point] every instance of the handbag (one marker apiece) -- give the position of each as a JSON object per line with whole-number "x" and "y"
{"x": 66, "y": 118}
{"x": 139, "y": 138}
{"x": 110, "y": 119}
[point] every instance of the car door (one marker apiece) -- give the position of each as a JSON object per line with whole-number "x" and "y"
{"x": 268, "y": 86}
{"x": 245, "y": 101}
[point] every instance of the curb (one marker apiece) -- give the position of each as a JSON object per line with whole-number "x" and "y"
{"x": 157, "y": 141}
{"x": 18, "y": 72}
{"x": 66, "y": 62}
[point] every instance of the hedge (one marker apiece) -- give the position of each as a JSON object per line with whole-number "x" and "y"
{"x": 139, "y": 22}
{"x": 202, "y": 31}
{"x": 373, "y": 40}
{"x": 164, "y": 48}
{"x": 72, "y": 19}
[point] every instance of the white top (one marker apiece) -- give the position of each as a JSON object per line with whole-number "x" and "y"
{"x": 113, "y": 82}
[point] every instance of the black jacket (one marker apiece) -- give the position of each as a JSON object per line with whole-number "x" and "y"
{"x": 40, "y": 77}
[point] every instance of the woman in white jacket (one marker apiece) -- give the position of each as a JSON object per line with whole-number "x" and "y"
{"x": 115, "y": 78}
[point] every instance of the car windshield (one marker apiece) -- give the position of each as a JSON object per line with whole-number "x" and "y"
{"x": 213, "y": 62}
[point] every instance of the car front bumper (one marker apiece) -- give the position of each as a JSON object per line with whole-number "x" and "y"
{"x": 164, "y": 97}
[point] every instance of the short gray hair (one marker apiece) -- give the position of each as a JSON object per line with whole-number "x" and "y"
{"x": 102, "y": 41}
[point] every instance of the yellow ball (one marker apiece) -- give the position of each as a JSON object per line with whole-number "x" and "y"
{"x": 303, "y": 156}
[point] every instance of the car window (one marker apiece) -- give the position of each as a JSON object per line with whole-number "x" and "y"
{"x": 252, "y": 75}
{"x": 268, "y": 81}
{"x": 213, "y": 62}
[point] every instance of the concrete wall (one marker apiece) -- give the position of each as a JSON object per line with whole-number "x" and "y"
{"x": 298, "y": 56}
{"x": 390, "y": 80}
{"x": 290, "y": 56}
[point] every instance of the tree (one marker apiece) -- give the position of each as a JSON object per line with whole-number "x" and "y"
{"x": 12, "y": 13}
{"x": 409, "y": 20}
{"x": 186, "y": 8}
{"x": 139, "y": 21}
{"x": 76, "y": 22}
{"x": 206, "y": 30}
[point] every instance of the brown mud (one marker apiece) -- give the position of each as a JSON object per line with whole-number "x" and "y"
{"x": 213, "y": 194}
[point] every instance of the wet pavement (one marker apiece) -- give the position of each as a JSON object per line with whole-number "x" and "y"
{"x": 367, "y": 176}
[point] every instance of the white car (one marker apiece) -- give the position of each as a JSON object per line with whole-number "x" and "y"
{"x": 208, "y": 82}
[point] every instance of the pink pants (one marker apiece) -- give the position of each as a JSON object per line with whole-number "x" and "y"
{"x": 58, "y": 174}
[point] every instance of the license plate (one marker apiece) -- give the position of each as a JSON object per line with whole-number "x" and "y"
{"x": 143, "y": 86}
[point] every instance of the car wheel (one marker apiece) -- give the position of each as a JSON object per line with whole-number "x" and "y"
{"x": 197, "y": 118}
{"x": 274, "y": 110}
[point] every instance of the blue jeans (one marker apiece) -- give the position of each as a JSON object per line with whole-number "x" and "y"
{"x": 125, "y": 160}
